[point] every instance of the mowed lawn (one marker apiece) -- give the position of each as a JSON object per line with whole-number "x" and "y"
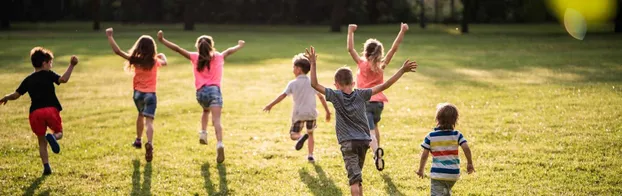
{"x": 541, "y": 112}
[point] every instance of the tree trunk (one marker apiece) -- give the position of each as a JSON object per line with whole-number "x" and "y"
{"x": 339, "y": 11}
{"x": 423, "y": 21}
{"x": 372, "y": 9}
{"x": 618, "y": 27}
{"x": 189, "y": 15}
{"x": 437, "y": 11}
{"x": 464, "y": 26}
{"x": 452, "y": 10}
{"x": 96, "y": 16}
{"x": 5, "y": 20}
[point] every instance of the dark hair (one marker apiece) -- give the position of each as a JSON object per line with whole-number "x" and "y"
{"x": 343, "y": 76}
{"x": 374, "y": 53}
{"x": 205, "y": 44}
{"x": 143, "y": 53}
{"x": 301, "y": 61}
{"x": 446, "y": 116}
{"x": 38, "y": 55}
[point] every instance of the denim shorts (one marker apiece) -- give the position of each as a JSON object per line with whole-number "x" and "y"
{"x": 373, "y": 112}
{"x": 146, "y": 103}
{"x": 209, "y": 96}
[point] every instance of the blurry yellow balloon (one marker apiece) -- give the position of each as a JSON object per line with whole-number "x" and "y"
{"x": 575, "y": 24}
{"x": 593, "y": 11}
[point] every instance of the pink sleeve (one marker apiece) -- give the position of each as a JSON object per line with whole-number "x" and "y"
{"x": 194, "y": 57}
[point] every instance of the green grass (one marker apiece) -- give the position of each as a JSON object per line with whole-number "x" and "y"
{"x": 541, "y": 111}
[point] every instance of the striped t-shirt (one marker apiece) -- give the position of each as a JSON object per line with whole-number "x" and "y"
{"x": 443, "y": 144}
{"x": 351, "y": 122}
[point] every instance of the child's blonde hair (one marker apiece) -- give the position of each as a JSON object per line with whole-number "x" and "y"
{"x": 446, "y": 116}
{"x": 373, "y": 51}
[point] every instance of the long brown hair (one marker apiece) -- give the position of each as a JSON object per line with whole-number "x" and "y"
{"x": 142, "y": 54}
{"x": 374, "y": 53}
{"x": 205, "y": 45}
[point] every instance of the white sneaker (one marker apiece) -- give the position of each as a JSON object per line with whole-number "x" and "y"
{"x": 203, "y": 137}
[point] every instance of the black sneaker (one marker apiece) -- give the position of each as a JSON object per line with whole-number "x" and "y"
{"x": 311, "y": 159}
{"x": 378, "y": 159}
{"x": 47, "y": 171}
{"x": 53, "y": 143}
{"x": 301, "y": 142}
{"x": 148, "y": 152}
{"x": 137, "y": 144}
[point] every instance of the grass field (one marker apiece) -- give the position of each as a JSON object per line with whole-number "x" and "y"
{"x": 542, "y": 113}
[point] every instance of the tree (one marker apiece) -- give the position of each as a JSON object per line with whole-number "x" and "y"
{"x": 5, "y": 15}
{"x": 452, "y": 7}
{"x": 422, "y": 14}
{"x": 437, "y": 11}
{"x": 372, "y": 10}
{"x": 96, "y": 16}
{"x": 339, "y": 11}
{"x": 618, "y": 25}
{"x": 189, "y": 15}
{"x": 466, "y": 13}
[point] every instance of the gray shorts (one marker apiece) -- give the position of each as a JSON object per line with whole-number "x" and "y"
{"x": 354, "y": 152}
{"x": 146, "y": 103}
{"x": 373, "y": 112}
{"x": 441, "y": 187}
{"x": 209, "y": 96}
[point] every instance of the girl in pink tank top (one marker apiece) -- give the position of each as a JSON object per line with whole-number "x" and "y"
{"x": 207, "y": 66}
{"x": 371, "y": 65}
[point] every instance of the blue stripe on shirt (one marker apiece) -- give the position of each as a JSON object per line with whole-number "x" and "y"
{"x": 447, "y": 162}
{"x": 445, "y": 171}
{"x": 443, "y": 133}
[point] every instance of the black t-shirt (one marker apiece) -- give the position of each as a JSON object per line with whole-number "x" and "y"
{"x": 40, "y": 87}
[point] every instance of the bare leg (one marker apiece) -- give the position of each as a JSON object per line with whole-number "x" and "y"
{"x": 377, "y": 135}
{"x": 43, "y": 149}
{"x": 356, "y": 189}
{"x": 374, "y": 142}
{"x": 294, "y": 136}
{"x": 311, "y": 141}
{"x": 149, "y": 122}
{"x": 58, "y": 135}
{"x": 216, "y": 122}
{"x": 204, "y": 119}
{"x": 140, "y": 126}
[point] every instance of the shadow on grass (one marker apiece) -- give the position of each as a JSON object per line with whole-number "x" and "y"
{"x": 34, "y": 185}
{"x": 320, "y": 185}
{"x": 391, "y": 188}
{"x": 137, "y": 188}
{"x": 209, "y": 185}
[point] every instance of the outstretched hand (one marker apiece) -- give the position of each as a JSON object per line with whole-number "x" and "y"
{"x": 241, "y": 43}
{"x": 160, "y": 35}
{"x": 404, "y": 27}
{"x": 74, "y": 60}
{"x": 310, "y": 54}
{"x": 267, "y": 108}
{"x": 109, "y": 32}
{"x": 328, "y": 117}
{"x": 352, "y": 27}
{"x": 470, "y": 168}
{"x": 3, "y": 101}
{"x": 420, "y": 174}
{"x": 409, "y": 66}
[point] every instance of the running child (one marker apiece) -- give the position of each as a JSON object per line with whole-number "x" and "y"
{"x": 371, "y": 66}
{"x": 443, "y": 143}
{"x": 208, "y": 65}
{"x": 44, "y": 107}
{"x": 144, "y": 61}
{"x": 304, "y": 113}
{"x": 351, "y": 123}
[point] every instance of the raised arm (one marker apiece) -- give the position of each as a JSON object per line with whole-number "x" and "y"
{"x": 310, "y": 54}
{"x": 422, "y": 162}
{"x": 396, "y": 44}
{"x": 276, "y": 101}
{"x": 230, "y": 51}
{"x": 114, "y": 45}
{"x": 67, "y": 74}
{"x": 407, "y": 66}
{"x": 162, "y": 59}
{"x": 9, "y": 97}
{"x": 173, "y": 46}
{"x": 351, "y": 50}
{"x": 323, "y": 101}
{"x": 467, "y": 154}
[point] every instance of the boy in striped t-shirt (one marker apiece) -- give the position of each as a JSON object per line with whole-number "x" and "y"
{"x": 443, "y": 143}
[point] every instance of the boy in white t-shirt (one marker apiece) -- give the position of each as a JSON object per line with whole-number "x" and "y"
{"x": 304, "y": 113}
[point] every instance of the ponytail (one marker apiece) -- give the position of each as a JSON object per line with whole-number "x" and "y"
{"x": 205, "y": 55}
{"x": 375, "y": 59}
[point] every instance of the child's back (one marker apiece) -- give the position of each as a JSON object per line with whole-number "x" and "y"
{"x": 40, "y": 87}
{"x": 304, "y": 98}
{"x": 444, "y": 144}
{"x": 350, "y": 114}
{"x": 211, "y": 76}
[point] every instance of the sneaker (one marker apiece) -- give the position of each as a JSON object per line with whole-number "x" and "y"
{"x": 221, "y": 154}
{"x": 311, "y": 159}
{"x": 53, "y": 143}
{"x": 47, "y": 171}
{"x": 203, "y": 137}
{"x": 378, "y": 159}
{"x": 148, "y": 152}
{"x": 137, "y": 144}
{"x": 301, "y": 142}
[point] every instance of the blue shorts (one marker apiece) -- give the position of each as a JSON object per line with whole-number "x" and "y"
{"x": 373, "y": 112}
{"x": 209, "y": 96}
{"x": 145, "y": 103}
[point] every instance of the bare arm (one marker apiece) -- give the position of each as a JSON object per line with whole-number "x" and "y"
{"x": 314, "y": 83}
{"x": 396, "y": 44}
{"x": 230, "y": 51}
{"x": 422, "y": 162}
{"x": 276, "y": 101}
{"x": 9, "y": 97}
{"x": 351, "y": 50}
{"x": 162, "y": 59}
{"x": 173, "y": 46}
{"x": 407, "y": 66}
{"x": 67, "y": 74}
{"x": 115, "y": 47}
{"x": 467, "y": 153}
{"x": 323, "y": 101}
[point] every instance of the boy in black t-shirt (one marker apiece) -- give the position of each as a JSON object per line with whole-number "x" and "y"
{"x": 45, "y": 108}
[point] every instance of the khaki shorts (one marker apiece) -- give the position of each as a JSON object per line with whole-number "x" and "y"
{"x": 441, "y": 187}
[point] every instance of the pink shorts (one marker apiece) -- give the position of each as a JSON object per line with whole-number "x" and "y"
{"x": 42, "y": 118}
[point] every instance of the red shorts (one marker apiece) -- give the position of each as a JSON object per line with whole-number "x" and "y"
{"x": 42, "y": 118}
